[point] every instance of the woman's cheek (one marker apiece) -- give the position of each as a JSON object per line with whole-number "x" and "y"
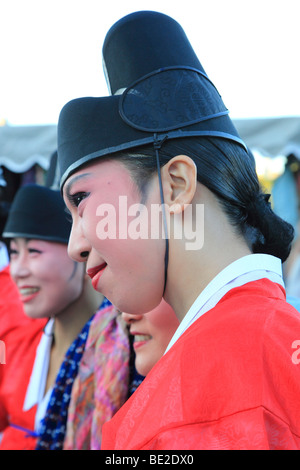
{"x": 88, "y": 223}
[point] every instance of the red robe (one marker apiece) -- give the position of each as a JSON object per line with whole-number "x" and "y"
{"x": 231, "y": 381}
{"x": 11, "y": 308}
{"x": 21, "y": 345}
{"x": 20, "y": 335}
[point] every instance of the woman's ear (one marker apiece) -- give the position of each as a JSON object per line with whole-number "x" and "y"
{"x": 179, "y": 177}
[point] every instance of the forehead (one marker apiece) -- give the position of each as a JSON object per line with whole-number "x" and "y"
{"x": 42, "y": 244}
{"x": 110, "y": 171}
{"x": 24, "y": 241}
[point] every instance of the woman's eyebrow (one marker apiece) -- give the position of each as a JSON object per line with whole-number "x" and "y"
{"x": 73, "y": 180}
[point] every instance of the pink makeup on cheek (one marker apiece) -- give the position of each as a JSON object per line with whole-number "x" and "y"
{"x": 106, "y": 209}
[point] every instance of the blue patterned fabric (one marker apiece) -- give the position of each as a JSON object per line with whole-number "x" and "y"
{"x": 53, "y": 425}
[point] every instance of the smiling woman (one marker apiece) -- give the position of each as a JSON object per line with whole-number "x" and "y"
{"x": 109, "y": 263}
{"x": 165, "y": 136}
{"x": 46, "y": 286}
{"x": 79, "y": 321}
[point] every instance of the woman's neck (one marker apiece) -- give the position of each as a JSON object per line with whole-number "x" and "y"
{"x": 67, "y": 326}
{"x": 190, "y": 271}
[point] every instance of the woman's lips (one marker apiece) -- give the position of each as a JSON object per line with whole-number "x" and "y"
{"x": 95, "y": 274}
{"x": 28, "y": 293}
{"x": 140, "y": 340}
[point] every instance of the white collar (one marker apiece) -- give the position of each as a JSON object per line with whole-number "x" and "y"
{"x": 246, "y": 269}
{"x": 37, "y": 383}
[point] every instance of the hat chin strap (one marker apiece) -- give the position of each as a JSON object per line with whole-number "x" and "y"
{"x": 157, "y": 145}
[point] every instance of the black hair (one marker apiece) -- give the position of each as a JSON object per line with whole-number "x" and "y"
{"x": 227, "y": 170}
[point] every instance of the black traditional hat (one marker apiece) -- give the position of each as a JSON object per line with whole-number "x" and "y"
{"x": 38, "y": 212}
{"x": 167, "y": 95}
{"x": 142, "y": 43}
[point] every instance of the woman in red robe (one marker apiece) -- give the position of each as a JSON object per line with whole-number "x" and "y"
{"x": 230, "y": 377}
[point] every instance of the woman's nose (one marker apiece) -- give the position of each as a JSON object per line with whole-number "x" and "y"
{"x": 19, "y": 268}
{"x": 78, "y": 246}
{"x": 130, "y": 318}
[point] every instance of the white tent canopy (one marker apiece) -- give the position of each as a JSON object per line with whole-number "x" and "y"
{"x": 23, "y": 146}
{"x": 271, "y": 137}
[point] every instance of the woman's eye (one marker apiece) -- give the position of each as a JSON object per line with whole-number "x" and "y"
{"x": 77, "y": 198}
{"x": 12, "y": 252}
{"x": 34, "y": 251}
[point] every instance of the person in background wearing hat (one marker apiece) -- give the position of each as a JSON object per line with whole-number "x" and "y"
{"x": 78, "y": 322}
{"x": 228, "y": 378}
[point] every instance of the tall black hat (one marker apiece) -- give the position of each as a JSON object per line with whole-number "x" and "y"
{"x": 142, "y": 43}
{"x": 167, "y": 95}
{"x": 38, "y": 212}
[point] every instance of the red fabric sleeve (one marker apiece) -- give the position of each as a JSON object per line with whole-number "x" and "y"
{"x": 256, "y": 429}
{"x": 11, "y": 308}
